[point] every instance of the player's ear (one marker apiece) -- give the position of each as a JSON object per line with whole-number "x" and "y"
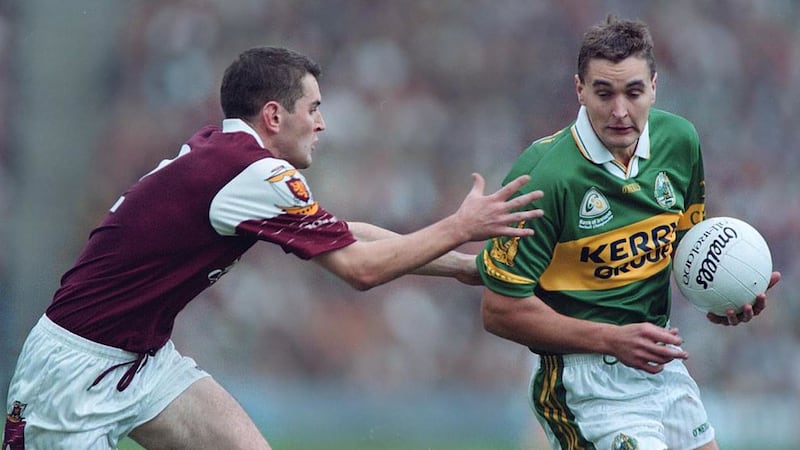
{"x": 271, "y": 116}
{"x": 655, "y": 77}
{"x": 579, "y": 88}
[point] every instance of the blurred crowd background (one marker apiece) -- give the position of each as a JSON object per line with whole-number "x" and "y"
{"x": 417, "y": 94}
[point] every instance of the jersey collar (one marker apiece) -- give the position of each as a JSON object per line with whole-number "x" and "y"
{"x": 594, "y": 150}
{"x": 240, "y": 126}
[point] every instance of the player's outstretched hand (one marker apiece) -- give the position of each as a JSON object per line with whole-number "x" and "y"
{"x": 647, "y": 346}
{"x": 748, "y": 311}
{"x": 482, "y": 216}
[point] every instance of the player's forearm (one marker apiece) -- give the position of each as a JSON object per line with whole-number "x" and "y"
{"x": 366, "y": 264}
{"x": 530, "y": 322}
{"x": 368, "y": 232}
{"x": 450, "y": 264}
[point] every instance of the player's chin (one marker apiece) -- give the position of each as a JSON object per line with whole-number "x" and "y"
{"x": 303, "y": 163}
{"x": 622, "y": 140}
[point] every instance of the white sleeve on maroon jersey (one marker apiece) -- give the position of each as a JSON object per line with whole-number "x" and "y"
{"x": 266, "y": 189}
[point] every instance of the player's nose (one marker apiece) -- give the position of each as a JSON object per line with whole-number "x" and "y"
{"x": 619, "y": 109}
{"x": 320, "y": 125}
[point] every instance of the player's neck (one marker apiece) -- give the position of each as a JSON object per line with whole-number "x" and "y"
{"x": 623, "y": 156}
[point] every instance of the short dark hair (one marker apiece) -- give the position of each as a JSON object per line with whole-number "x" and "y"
{"x": 264, "y": 74}
{"x": 614, "y": 40}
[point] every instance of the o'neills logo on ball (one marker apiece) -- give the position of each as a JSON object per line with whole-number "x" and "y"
{"x": 722, "y": 235}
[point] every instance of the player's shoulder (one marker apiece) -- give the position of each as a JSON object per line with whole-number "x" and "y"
{"x": 544, "y": 155}
{"x": 559, "y": 139}
{"x": 203, "y": 134}
{"x": 230, "y": 149}
{"x": 667, "y": 122}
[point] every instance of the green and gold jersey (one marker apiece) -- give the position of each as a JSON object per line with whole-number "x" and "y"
{"x": 603, "y": 249}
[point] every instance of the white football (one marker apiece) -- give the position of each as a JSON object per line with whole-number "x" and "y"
{"x": 722, "y": 263}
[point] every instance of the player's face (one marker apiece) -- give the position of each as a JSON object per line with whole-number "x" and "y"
{"x": 298, "y": 132}
{"x": 618, "y": 97}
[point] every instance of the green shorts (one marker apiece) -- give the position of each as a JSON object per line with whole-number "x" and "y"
{"x": 589, "y": 399}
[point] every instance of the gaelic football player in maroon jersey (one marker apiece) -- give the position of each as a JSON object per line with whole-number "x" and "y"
{"x": 100, "y": 365}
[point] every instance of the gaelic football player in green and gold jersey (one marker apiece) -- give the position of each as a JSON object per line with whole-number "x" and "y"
{"x": 590, "y": 290}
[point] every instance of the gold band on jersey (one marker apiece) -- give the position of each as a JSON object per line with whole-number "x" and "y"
{"x": 614, "y": 259}
{"x": 694, "y": 214}
{"x": 501, "y": 274}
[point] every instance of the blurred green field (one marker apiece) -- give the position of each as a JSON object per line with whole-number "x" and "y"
{"x": 127, "y": 444}
{"x": 332, "y": 417}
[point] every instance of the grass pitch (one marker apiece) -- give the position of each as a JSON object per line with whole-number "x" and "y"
{"x": 128, "y": 444}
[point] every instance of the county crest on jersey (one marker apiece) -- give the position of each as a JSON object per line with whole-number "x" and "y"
{"x": 603, "y": 249}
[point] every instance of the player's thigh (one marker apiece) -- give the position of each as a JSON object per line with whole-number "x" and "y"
{"x": 204, "y": 416}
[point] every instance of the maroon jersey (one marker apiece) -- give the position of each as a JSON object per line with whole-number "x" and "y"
{"x": 180, "y": 228}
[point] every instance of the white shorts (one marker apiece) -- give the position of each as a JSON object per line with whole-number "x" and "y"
{"x": 49, "y": 399}
{"x": 585, "y": 399}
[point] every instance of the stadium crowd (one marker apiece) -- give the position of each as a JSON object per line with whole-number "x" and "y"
{"x": 416, "y": 96}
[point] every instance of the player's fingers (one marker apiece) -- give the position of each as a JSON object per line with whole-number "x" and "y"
{"x": 521, "y": 216}
{"x": 773, "y": 279}
{"x": 659, "y": 360}
{"x": 509, "y": 189}
{"x": 747, "y": 314}
{"x": 760, "y": 304}
{"x": 735, "y": 318}
{"x": 730, "y": 314}
{"x": 650, "y": 367}
{"x": 478, "y": 183}
{"x": 525, "y": 199}
{"x": 719, "y": 320}
{"x": 660, "y": 335}
{"x": 668, "y": 353}
{"x": 514, "y": 232}
{"x": 660, "y": 355}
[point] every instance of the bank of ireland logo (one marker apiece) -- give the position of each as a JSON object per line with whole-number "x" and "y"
{"x": 665, "y": 195}
{"x": 595, "y": 210}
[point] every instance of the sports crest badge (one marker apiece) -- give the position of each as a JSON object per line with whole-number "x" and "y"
{"x": 14, "y": 435}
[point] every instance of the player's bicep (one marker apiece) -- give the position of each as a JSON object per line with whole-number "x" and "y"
{"x": 502, "y": 313}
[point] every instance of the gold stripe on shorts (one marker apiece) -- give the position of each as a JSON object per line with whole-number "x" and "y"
{"x": 552, "y": 405}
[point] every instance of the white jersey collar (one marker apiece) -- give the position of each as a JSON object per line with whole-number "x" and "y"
{"x": 596, "y": 151}
{"x": 240, "y": 126}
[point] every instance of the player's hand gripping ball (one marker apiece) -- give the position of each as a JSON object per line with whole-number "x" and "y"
{"x": 722, "y": 263}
